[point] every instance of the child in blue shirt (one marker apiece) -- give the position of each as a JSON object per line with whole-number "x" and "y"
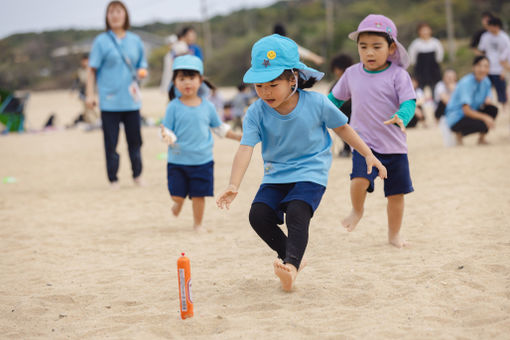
{"x": 292, "y": 126}
{"x": 186, "y": 130}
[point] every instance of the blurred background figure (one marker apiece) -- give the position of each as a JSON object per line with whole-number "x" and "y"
{"x": 117, "y": 61}
{"x": 239, "y": 104}
{"x": 425, "y": 53}
{"x": 443, "y": 92}
{"x": 493, "y": 44}
{"x": 176, "y": 48}
{"x": 475, "y": 40}
{"x": 89, "y": 117}
{"x": 338, "y": 65}
{"x": 419, "y": 113}
{"x": 189, "y": 36}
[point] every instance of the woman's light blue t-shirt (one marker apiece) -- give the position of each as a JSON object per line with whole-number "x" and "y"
{"x": 468, "y": 91}
{"x": 191, "y": 125}
{"x": 113, "y": 75}
{"x": 295, "y": 147}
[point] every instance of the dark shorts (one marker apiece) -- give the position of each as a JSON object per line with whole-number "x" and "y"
{"x": 191, "y": 180}
{"x": 500, "y": 86}
{"x": 399, "y": 177}
{"x": 277, "y": 195}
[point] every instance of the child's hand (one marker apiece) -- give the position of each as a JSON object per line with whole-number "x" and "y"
{"x": 398, "y": 121}
{"x": 167, "y": 138}
{"x": 227, "y": 197}
{"x": 373, "y": 161}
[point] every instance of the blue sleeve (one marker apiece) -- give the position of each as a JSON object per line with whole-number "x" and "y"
{"x": 406, "y": 111}
{"x": 96, "y": 54}
{"x": 332, "y": 116}
{"x": 465, "y": 93}
{"x": 337, "y": 102}
{"x": 142, "y": 62}
{"x": 214, "y": 120}
{"x": 251, "y": 128}
{"x": 169, "y": 120}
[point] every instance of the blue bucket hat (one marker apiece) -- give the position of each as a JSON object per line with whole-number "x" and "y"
{"x": 272, "y": 55}
{"x": 188, "y": 62}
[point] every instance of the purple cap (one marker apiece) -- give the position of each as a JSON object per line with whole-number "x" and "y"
{"x": 380, "y": 23}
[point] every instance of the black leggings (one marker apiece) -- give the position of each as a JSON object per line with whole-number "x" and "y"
{"x": 468, "y": 125}
{"x": 264, "y": 221}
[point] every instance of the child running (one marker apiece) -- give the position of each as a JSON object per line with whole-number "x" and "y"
{"x": 383, "y": 103}
{"x": 292, "y": 126}
{"x": 186, "y": 130}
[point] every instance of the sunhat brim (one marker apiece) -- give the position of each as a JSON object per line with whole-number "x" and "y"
{"x": 257, "y": 76}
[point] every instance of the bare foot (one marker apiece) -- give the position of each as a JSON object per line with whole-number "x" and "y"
{"x": 397, "y": 241}
{"x": 287, "y": 274}
{"x": 458, "y": 138}
{"x": 199, "y": 229}
{"x": 139, "y": 181}
{"x": 115, "y": 185}
{"x": 176, "y": 209}
{"x": 351, "y": 221}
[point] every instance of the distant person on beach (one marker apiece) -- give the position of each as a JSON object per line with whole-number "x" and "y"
{"x": 186, "y": 129}
{"x": 383, "y": 103}
{"x": 304, "y": 53}
{"x": 338, "y": 65}
{"x": 426, "y": 53}
{"x": 239, "y": 104}
{"x": 176, "y": 48}
{"x": 89, "y": 116}
{"x": 443, "y": 92}
{"x": 419, "y": 113}
{"x": 475, "y": 40}
{"x": 292, "y": 126}
{"x": 117, "y": 62}
{"x": 189, "y": 36}
{"x": 470, "y": 109}
{"x": 494, "y": 43}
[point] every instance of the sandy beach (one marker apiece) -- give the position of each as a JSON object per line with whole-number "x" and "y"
{"x": 80, "y": 261}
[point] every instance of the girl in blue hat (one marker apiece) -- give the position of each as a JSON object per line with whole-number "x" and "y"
{"x": 186, "y": 129}
{"x": 292, "y": 126}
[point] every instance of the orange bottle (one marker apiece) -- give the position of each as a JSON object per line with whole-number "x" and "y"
{"x": 184, "y": 276}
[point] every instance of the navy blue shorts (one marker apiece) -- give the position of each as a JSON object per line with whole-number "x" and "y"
{"x": 277, "y": 195}
{"x": 191, "y": 180}
{"x": 500, "y": 86}
{"x": 399, "y": 177}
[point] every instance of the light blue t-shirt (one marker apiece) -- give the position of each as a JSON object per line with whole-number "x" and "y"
{"x": 468, "y": 91}
{"x": 113, "y": 75}
{"x": 295, "y": 147}
{"x": 191, "y": 125}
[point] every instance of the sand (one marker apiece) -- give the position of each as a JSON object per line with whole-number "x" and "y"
{"x": 80, "y": 261}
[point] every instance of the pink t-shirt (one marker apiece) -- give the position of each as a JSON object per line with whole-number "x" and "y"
{"x": 375, "y": 98}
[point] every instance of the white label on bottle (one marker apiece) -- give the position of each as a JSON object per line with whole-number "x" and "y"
{"x": 189, "y": 291}
{"x": 182, "y": 286}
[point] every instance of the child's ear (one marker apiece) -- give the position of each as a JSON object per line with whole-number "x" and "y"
{"x": 393, "y": 48}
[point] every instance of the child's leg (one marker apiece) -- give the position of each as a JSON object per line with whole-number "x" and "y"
{"x": 178, "y": 202}
{"x": 359, "y": 186}
{"x": 264, "y": 221}
{"x": 198, "y": 211}
{"x": 298, "y": 216}
{"x": 395, "y": 211}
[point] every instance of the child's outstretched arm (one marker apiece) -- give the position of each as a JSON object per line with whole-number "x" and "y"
{"x": 404, "y": 115}
{"x": 353, "y": 139}
{"x": 239, "y": 166}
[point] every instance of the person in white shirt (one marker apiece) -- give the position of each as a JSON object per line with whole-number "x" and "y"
{"x": 425, "y": 53}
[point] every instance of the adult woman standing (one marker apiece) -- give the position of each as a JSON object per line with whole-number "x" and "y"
{"x": 117, "y": 62}
{"x": 469, "y": 109}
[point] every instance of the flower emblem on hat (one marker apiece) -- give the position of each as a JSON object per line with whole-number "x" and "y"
{"x": 378, "y": 24}
{"x": 271, "y": 54}
{"x": 388, "y": 29}
{"x": 266, "y": 63}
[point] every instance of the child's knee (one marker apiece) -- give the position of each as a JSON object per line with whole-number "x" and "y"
{"x": 260, "y": 214}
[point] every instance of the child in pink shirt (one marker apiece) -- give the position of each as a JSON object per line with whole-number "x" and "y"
{"x": 383, "y": 103}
